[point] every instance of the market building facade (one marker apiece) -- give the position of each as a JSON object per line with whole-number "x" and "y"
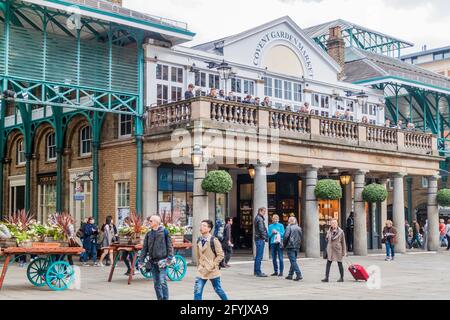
{"x": 83, "y": 142}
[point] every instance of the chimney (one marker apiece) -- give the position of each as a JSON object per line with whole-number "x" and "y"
{"x": 336, "y": 48}
{"x": 117, "y": 2}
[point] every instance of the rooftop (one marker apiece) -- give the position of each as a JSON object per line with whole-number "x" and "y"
{"x": 425, "y": 52}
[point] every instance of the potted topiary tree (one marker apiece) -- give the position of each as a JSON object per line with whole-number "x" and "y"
{"x": 328, "y": 190}
{"x": 443, "y": 197}
{"x": 218, "y": 181}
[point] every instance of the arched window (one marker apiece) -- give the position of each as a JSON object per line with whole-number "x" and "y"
{"x": 20, "y": 152}
{"x": 85, "y": 141}
{"x": 51, "y": 147}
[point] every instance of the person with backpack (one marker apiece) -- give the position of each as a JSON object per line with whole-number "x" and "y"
{"x": 159, "y": 250}
{"x": 90, "y": 232}
{"x": 227, "y": 245}
{"x": 209, "y": 256}
{"x": 106, "y": 239}
{"x": 292, "y": 243}
{"x": 276, "y": 237}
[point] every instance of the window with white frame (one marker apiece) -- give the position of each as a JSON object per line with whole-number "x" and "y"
{"x": 169, "y": 83}
{"x": 320, "y": 101}
{"x": 85, "y": 141}
{"x": 297, "y": 92}
{"x": 125, "y": 125}
{"x": 340, "y": 105}
{"x": 278, "y": 89}
{"x": 287, "y": 90}
{"x": 236, "y": 85}
{"x": 424, "y": 182}
{"x": 325, "y": 102}
{"x": 365, "y": 109}
{"x": 372, "y": 109}
{"x": 315, "y": 100}
{"x": 47, "y": 201}
{"x": 122, "y": 200}
{"x": 249, "y": 87}
{"x": 268, "y": 87}
{"x": 350, "y": 105}
{"x": 20, "y": 152}
{"x": 214, "y": 81}
{"x": 200, "y": 79}
{"x": 51, "y": 147}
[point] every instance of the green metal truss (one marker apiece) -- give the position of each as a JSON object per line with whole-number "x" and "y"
{"x": 90, "y": 71}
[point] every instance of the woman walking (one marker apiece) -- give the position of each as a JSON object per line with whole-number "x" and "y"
{"x": 108, "y": 235}
{"x": 276, "y": 234}
{"x": 390, "y": 239}
{"x": 90, "y": 241}
{"x": 336, "y": 249}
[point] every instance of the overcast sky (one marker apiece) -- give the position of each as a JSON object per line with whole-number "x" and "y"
{"x": 419, "y": 21}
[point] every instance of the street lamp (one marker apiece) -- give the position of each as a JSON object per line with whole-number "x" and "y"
{"x": 345, "y": 179}
{"x": 362, "y": 98}
{"x": 224, "y": 70}
{"x": 251, "y": 171}
{"x": 197, "y": 156}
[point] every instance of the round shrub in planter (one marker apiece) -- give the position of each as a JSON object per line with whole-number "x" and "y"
{"x": 443, "y": 197}
{"x": 218, "y": 182}
{"x": 328, "y": 190}
{"x": 374, "y": 193}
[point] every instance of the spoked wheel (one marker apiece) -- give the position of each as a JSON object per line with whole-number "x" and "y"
{"x": 146, "y": 273}
{"x": 177, "y": 271}
{"x": 36, "y": 272}
{"x": 59, "y": 276}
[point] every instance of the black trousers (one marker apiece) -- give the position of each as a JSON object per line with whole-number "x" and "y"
{"x": 341, "y": 269}
{"x": 228, "y": 251}
{"x": 349, "y": 240}
{"x": 448, "y": 242}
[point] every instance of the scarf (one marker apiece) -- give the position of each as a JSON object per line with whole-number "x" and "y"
{"x": 333, "y": 235}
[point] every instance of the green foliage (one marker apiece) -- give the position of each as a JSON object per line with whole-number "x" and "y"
{"x": 328, "y": 190}
{"x": 443, "y": 197}
{"x": 218, "y": 182}
{"x": 375, "y": 193}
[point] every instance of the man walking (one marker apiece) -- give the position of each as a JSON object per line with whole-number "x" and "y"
{"x": 209, "y": 257}
{"x": 227, "y": 245}
{"x": 158, "y": 247}
{"x": 292, "y": 243}
{"x": 261, "y": 237}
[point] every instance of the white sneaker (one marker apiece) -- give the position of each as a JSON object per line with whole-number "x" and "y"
{"x": 100, "y": 265}
{"x": 96, "y": 264}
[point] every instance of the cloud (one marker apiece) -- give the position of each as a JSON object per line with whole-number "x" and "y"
{"x": 436, "y": 7}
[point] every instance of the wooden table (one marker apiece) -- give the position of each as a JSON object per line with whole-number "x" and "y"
{"x": 38, "y": 251}
{"x": 134, "y": 250}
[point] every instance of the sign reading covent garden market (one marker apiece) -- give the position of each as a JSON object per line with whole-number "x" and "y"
{"x": 282, "y": 35}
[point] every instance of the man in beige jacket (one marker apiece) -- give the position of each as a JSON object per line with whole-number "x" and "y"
{"x": 209, "y": 256}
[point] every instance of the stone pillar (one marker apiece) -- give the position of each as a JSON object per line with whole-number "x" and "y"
{"x": 383, "y": 182}
{"x": 200, "y": 205}
{"x": 260, "y": 200}
{"x": 433, "y": 214}
{"x": 311, "y": 216}
{"x": 398, "y": 208}
{"x": 360, "y": 231}
{"x": 150, "y": 188}
{"x": 303, "y": 210}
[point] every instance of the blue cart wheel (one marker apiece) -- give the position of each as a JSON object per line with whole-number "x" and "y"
{"x": 37, "y": 271}
{"x": 146, "y": 273}
{"x": 177, "y": 271}
{"x": 59, "y": 276}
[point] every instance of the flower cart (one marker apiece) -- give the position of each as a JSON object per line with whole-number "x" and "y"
{"x": 48, "y": 242}
{"x": 49, "y": 268}
{"x": 129, "y": 242}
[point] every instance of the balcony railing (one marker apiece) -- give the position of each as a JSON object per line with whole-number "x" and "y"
{"x": 214, "y": 113}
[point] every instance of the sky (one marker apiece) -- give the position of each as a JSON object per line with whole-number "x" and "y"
{"x": 422, "y": 22}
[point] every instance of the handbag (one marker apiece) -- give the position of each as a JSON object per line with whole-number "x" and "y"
{"x": 277, "y": 238}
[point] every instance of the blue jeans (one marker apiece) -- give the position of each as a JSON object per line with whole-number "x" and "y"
{"x": 160, "y": 282}
{"x": 390, "y": 249}
{"x": 259, "y": 256}
{"x": 91, "y": 252}
{"x": 200, "y": 285}
{"x": 292, "y": 255}
{"x": 277, "y": 254}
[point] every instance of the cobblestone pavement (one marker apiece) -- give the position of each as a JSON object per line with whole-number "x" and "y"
{"x": 416, "y": 275}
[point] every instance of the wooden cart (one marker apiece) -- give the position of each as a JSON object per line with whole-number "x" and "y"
{"x": 175, "y": 272}
{"x": 48, "y": 269}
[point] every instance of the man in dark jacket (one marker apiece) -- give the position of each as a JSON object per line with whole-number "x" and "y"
{"x": 159, "y": 250}
{"x": 292, "y": 242}
{"x": 189, "y": 94}
{"x": 261, "y": 237}
{"x": 350, "y": 231}
{"x": 227, "y": 245}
